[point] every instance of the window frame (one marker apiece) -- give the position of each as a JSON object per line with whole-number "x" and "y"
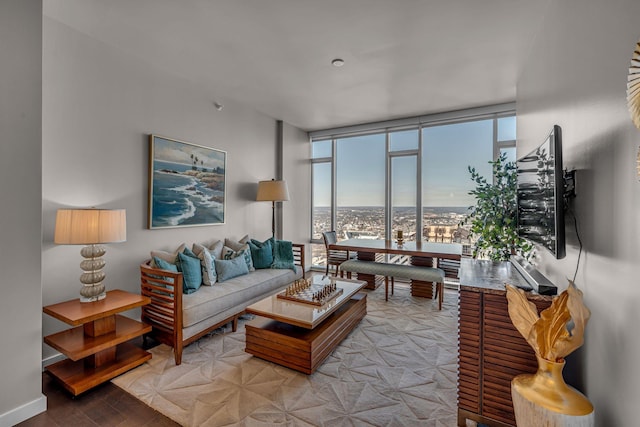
{"x": 387, "y": 128}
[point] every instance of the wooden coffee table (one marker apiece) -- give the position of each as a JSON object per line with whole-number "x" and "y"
{"x": 300, "y": 336}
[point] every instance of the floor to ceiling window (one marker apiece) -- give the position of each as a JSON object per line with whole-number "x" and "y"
{"x": 360, "y": 187}
{"x": 370, "y": 181}
{"x": 447, "y": 152}
{"x": 403, "y": 173}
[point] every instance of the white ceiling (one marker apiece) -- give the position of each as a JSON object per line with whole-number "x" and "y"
{"x": 403, "y": 57}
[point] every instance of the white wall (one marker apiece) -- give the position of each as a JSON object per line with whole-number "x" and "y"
{"x": 296, "y": 214}
{"x": 20, "y": 216}
{"x": 575, "y": 76}
{"x": 99, "y": 104}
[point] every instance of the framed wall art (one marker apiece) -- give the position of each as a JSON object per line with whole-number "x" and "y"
{"x": 186, "y": 184}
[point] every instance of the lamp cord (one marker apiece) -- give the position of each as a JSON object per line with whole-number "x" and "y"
{"x": 575, "y": 223}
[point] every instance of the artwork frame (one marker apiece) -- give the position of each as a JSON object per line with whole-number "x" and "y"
{"x": 187, "y": 184}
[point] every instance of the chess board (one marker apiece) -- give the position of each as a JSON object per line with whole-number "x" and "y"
{"x": 306, "y": 295}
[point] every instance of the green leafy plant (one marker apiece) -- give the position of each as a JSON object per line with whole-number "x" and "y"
{"x": 494, "y": 217}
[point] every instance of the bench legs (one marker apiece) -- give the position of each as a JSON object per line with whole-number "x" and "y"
{"x": 439, "y": 289}
{"x": 386, "y": 287}
{"x": 440, "y": 294}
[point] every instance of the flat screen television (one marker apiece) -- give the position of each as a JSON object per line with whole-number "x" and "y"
{"x": 540, "y": 195}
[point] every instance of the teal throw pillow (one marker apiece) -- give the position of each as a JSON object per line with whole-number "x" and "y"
{"x": 189, "y": 252}
{"x": 164, "y": 265}
{"x": 191, "y": 272}
{"x": 244, "y": 253}
{"x": 283, "y": 255}
{"x": 261, "y": 253}
{"x": 230, "y": 268}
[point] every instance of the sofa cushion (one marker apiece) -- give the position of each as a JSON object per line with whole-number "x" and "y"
{"x": 261, "y": 253}
{"x": 235, "y": 294}
{"x": 191, "y": 272}
{"x": 230, "y": 268}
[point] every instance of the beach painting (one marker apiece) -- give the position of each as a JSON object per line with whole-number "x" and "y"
{"x": 186, "y": 184}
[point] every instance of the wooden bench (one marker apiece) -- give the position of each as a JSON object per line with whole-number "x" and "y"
{"x": 412, "y": 272}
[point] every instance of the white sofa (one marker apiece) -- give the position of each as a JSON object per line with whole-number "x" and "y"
{"x": 178, "y": 319}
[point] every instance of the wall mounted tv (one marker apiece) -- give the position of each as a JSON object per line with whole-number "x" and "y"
{"x": 540, "y": 195}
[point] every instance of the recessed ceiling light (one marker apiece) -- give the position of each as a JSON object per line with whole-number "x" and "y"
{"x": 337, "y": 62}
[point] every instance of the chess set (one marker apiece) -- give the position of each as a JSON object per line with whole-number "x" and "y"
{"x": 305, "y": 291}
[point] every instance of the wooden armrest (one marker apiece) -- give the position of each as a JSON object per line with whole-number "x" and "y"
{"x": 298, "y": 255}
{"x": 165, "y": 290}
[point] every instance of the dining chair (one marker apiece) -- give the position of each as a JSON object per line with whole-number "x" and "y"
{"x": 334, "y": 257}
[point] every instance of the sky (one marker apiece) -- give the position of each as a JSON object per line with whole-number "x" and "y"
{"x": 180, "y": 152}
{"x": 447, "y": 152}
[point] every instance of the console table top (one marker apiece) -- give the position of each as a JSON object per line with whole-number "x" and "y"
{"x": 490, "y": 276}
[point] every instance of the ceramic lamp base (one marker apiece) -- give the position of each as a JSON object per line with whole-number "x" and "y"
{"x": 91, "y": 293}
{"x": 93, "y": 275}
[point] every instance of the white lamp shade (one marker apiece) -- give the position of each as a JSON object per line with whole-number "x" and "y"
{"x": 90, "y": 226}
{"x": 272, "y": 191}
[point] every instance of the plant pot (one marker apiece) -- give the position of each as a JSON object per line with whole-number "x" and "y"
{"x": 544, "y": 399}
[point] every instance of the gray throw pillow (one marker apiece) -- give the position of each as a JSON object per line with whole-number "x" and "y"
{"x": 230, "y": 268}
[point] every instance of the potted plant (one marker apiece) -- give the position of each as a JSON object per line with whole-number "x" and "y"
{"x": 494, "y": 217}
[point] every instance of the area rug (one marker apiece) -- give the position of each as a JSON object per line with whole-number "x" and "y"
{"x": 397, "y": 368}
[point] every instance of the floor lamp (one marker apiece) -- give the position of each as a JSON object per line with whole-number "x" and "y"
{"x": 273, "y": 191}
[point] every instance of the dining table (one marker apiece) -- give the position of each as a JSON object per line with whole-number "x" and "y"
{"x": 445, "y": 256}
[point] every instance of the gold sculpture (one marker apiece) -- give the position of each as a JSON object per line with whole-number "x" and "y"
{"x": 549, "y": 334}
{"x": 553, "y": 334}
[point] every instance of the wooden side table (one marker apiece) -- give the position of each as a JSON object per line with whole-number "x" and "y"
{"x": 97, "y": 347}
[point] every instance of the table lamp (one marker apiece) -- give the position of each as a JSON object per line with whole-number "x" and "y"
{"x": 91, "y": 227}
{"x": 273, "y": 191}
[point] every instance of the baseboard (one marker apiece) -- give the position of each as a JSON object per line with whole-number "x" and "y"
{"x": 52, "y": 359}
{"x": 24, "y": 412}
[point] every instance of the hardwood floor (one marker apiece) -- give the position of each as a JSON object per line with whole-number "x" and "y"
{"x": 105, "y": 405}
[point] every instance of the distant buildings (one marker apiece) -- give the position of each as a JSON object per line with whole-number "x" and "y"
{"x": 440, "y": 224}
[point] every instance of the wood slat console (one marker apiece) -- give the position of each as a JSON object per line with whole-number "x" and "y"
{"x": 491, "y": 350}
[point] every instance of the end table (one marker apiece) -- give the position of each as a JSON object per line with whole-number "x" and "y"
{"x": 97, "y": 347}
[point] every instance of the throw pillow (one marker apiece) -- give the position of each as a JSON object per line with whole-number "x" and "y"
{"x": 214, "y": 246}
{"x": 283, "y": 255}
{"x": 228, "y": 269}
{"x": 261, "y": 253}
{"x": 209, "y": 275}
{"x": 244, "y": 252}
{"x": 168, "y": 256}
{"x": 164, "y": 265}
{"x": 189, "y": 252}
{"x": 237, "y": 245}
{"x": 191, "y": 272}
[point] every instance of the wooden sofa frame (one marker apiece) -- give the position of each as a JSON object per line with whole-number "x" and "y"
{"x": 164, "y": 313}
